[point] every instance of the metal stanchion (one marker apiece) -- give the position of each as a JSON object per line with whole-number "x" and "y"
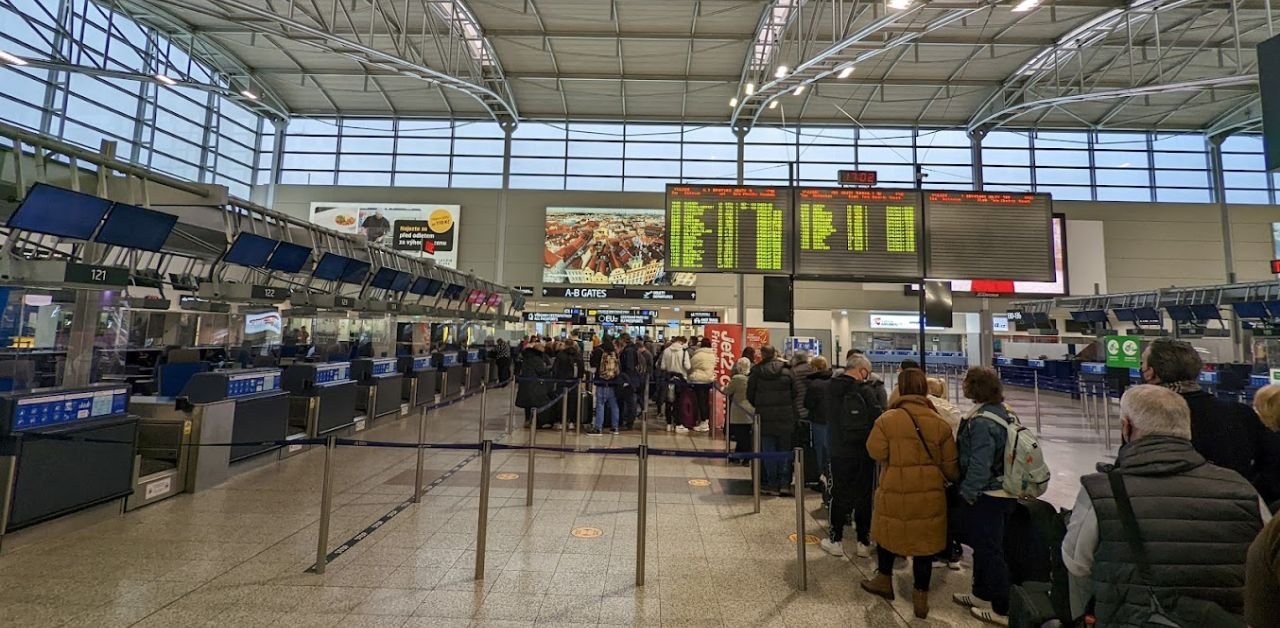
{"x": 802, "y": 564}
{"x": 533, "y": 440}
{"x": 564, "y": 418}
{"x": 642, "y": 511}
{"x": 755, "y": 462}
{"x": 644, "y": 412}
{"x": 1106, "y": 418}
{"x": 511, "y": 401}
{"x": 482, "y": 524}
{"x": 1035, "y": 381}
{"x": 422, "y": 438}
{"x": 326, "y": 503}
{"x": 484, "y": 404}
{"x": 728, "y": 417}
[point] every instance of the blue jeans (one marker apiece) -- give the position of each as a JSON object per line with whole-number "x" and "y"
{"x": 775, "y": 474}
{"x": 606, "y": 395}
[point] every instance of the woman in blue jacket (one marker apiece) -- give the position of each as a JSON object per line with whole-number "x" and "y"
{"x": 981, "y": 444}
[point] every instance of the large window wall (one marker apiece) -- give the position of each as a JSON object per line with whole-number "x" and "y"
{"x": 1072, "y": 165}
{"x": 188, "y": 133}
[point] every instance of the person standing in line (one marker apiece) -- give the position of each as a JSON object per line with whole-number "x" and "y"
{"x": 881, "y": 390}
{"x": 674, "y": 366}
{"x": 1262, "y": 566}
{"x": 502, "y": 356}
{"x": 567, "y": 368}
{"x": 608, "y": 379}
{"x": 815, "y": 400}
{"x": 773, "y": 391}
{"x": 702, "y": 371}
{"x": 852, "y": 407}
{"x": 915, "y": 447}
{"x": 750, "y": 354}
{"x": 981, "y": 442}
{"x": 629, "y": 383}
{"x": 534, "y": 392}
{"x": 644, "y": 370}
{"x": 951, "y": 414}
{"x": 740, "y": 410}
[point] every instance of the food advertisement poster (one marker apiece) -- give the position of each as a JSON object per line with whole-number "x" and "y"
{"x": 607, "y": 246}
{"x": 428, "y": 230}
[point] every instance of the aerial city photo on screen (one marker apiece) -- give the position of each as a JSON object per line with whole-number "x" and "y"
{"x": 607, "y": 246}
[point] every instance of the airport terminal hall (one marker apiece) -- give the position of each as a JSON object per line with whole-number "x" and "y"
{"x": 665, "y": 313}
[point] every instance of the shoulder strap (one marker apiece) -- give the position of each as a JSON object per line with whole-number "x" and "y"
{"x": 1130, "y": 524}
{"x": 920, "y": 435}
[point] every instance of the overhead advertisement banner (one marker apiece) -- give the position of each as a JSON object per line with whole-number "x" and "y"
{"x": 607, "y": 246}
{"x": 422, "y": 229}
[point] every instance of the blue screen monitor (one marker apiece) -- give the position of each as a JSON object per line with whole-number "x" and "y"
{"x": 454, "y": 291}
{"x": 1251, "y": 309}
{"x": 401, "y": 282}
{"x": 289, "y": 258}
{"x": 355, "y": 271}
{"x": 136, "y": 227}
{"x": 1206, "y": 312}
{"x": 383, "y": 278}
{"x": 1181, "y": 313}
{"x": 433, "y": 287}
{"x": 330, "y": 267}
{"x": 419, "y": 286}
{"x": 250, "y": 250}
{"x": 1126, "y": 314}
{"x": 60, "y": 212}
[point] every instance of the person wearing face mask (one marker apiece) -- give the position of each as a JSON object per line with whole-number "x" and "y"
{"x": 1192, "y": 521}
{"x": 852, "y": 404}
{"x": 1226, "y": 433}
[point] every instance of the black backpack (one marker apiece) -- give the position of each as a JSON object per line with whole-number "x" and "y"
{"x": 1041, "y": 582}
{"x": 857, "y": 410}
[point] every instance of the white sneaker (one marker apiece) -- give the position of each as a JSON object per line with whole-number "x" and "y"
{"x": 670, "y": 427}
{"x": 680, "y": 429}
{"x": 989, "y": 616}
{"x": 864, "y": 551}
{"x": 966, "y": 599}
{"x": 834, "y": 548}
{"x": 701, "y": 427}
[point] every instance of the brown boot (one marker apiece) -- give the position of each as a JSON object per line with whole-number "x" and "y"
{"x": 880, "y": 585}
{"x": 920, "y": 603}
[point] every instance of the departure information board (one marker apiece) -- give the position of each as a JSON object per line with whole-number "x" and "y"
{"x": 990, "y": 235}
{"x": 729, "y": 229}
{"x": 859, "y": 233}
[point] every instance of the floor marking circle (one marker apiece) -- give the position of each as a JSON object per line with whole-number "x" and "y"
{"x": 587, "y": 533}
{"x": 507, "y": 476}
{"x": 809, "y": 539}
{"x": 699, "y": 482}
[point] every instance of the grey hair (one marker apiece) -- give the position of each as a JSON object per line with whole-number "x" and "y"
{"x": 742, "y": 366}
{"x": 799, "y": 357}
{"x": 1156, "y": 411}
{"x": 858, "y": 362}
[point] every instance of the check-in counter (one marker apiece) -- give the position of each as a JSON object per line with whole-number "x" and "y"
{"x": 420, "y": 381}
{"x": 259, "y": 408}
{"x": 453, "y": 374}
{"x": 378, "y": 385}
{"x": 477, "y": 369}
{"x": 63, "y": 450}
{"x": 322, "y": 397}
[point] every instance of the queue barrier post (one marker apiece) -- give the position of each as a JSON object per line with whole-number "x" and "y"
{"x": 1035, "y": 380}
{"x": 484, "y": 404}
{"x": 482, "y": 524}
{"x": 644, "y": 413}
{"x": 533, "y": 440}
{"x": 564, "y": 418}
{"x": 802, "y": 564}
{"x": 1106, "y": 417}
{"x": 755, "y": 462}
{"x": 511, "y": 405}
{"x": 417, "y": 469}
{"x": 642, "y": 511}
{"x": 326, "y": 504}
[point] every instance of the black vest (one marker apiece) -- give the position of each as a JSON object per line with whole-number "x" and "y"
{"x": 1196, "y": 521}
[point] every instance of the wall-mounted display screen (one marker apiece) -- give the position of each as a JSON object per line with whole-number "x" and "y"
{"x": 607, "y": 246}
{"x": 58, "y": 211}
{"x": 250, "y": 250}
{"x": 419, "y": 286}
{"x": 433, "y": 287}
{"x": 136, "y": 227}
{"x": 383, "y": 278}
{"x": 964, "y": 228}
{"x": 1006, "y": 287}
{"x": 330, "y": 267}
{"x": 289, "y": 257}
{"x": 729, "y": 229}
{"x": 859, "y": 233}
{"x": 401, "y": 282}
{"x": 355, "y": 271}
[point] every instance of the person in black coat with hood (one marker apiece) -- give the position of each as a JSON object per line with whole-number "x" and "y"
{"x": 568, "y": 366}
{"x": 533, "y": 394}
{"x": 775, "y": 393}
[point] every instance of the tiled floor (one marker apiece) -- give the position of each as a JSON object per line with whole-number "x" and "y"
{"x": 236, "y": 555}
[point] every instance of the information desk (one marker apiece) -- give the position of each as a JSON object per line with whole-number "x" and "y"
{"x": 420, "y": 380}
{"x": 477, "y": 369}
{"x": 452, "y": 373}
{"x": 47, "y": 466}
{"x": 379, "y": 384}
{"x": 261, "y": 410}
{"x": 322, "y": 397}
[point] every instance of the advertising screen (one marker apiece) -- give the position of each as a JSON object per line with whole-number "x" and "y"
{"x": 262, "y": 323}
{"x": 607, "y": 246}
{"x": 729, "y": 229}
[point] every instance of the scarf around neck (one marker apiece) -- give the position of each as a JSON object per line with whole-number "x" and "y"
{"x": 1183, "y": 387}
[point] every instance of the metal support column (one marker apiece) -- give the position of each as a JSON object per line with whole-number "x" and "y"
{"x": 1228, "y": 256}
{"x": 501, "y": 259}
{"x": 741, "y": 282}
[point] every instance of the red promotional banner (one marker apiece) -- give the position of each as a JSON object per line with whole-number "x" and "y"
{"x": 724, "y": 340}
{"x": 757, "y": 337}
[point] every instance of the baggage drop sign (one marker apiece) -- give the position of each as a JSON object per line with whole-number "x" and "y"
{"x": 1123, "y": 351}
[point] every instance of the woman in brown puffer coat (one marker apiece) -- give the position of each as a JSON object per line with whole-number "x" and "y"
{"x": 917, "y": 454}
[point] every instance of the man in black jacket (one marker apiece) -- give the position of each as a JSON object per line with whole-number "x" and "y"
{"x": 774, "y": 392}
{"x": 629, "y": 362}
{"x": 852, "y": 406}
{"x": 1226, "y": 433}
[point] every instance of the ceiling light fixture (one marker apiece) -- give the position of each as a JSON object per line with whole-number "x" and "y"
{"x": 750, "y": 88}
{"x": 166, "y": 80}
{"x": 780, "y": 72}
{"x": 733, "y": 102}
{"x": 773, "y": 105}
{"x": 898, "y": 5}
{"x": 799, "y": 90}
{"x": 844, "y": 73}
{"x": 248, "y": 94}
{"x": 10, "y": 59}
{"x": 1026, "y": 5}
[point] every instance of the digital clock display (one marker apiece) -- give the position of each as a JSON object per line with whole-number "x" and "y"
{"x": 858, "y": 177}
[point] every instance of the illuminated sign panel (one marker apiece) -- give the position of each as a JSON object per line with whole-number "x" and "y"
{"x": 729, "y": 229}
{"x": 859, "y": 233}
{"x": 990, "y": 235}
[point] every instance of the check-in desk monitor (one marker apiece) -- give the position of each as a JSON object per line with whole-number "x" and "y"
{"x": 453, "y": 374}
{"x": 261, "y": 406}
{"x": 420, "y": 380}
{"x": 379, "y": 384}
{"x": 64, "y": 449}
{"x": 322, "y": 397}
